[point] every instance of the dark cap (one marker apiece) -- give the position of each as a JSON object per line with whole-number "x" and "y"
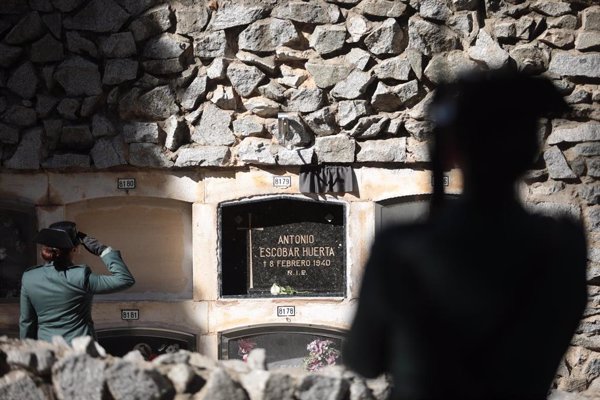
{"x": 61, "y": 235}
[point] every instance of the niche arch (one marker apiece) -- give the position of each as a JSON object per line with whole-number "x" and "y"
{"x": 285, "y": 344}
{"x": 120, "y": 341}
{"x": 154, "y": 235}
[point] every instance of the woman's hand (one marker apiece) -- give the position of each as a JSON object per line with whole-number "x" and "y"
{"x": 91, "y": 244}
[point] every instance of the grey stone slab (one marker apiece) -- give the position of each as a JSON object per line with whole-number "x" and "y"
{"x": 157, "y": 104}
{"x": 118, "y": 45}
{"x": 194, "y": 92}
{"x": 382, "y": 8}
{"x": 151, "y": 23}
{"x": 335, "y": 148}
{"x": 28, "y": 153}
{"x": 314, "y": 386}
{"x": 587, "y": 41}
{"x": 79, "y": 77}
{"x": 385, "y": 150}
{"x": 20, "y": 116}
{"x": 205, "y": 156}
{"x": 214, "y": 127}
{"x": 79, "y": 45}
{"x": 488, "y": 51}
{"x": 314, "y": 12}
{"x": 9, "y": 55}
{"x": 267, "y": 35}
{"x": 47, "y": 50}
{"x": 248, "y": 125}
{"x": 447, "y": 67}
{"x": 68, "y": 108}
{"x": 430, "y": 38}
{"x": 557, "y": 165}
{"x": 294, "y": 157}
{"x": 136, "y": 7}
{"x": 66, "y": 161}
{"x": 252, "y": 150}
{"x": 357, "y": 25}
{"x": 20, "y": 385}
{"x": 24, "y": 81}
{"x": 165, "y": 46}
{"x": 163, "y": 67}
{"x": 262, "y": 106}
{"x": 561, "y": 38}
{"x": 398, "y": 68}
{"x": 66, "y": 5}
{"x": 191, "y": 20}
{"x": 326, "y": 73}
{"x": 220, "y": 386}
{"x": 98, "y": 16}
{"x": 573, "y": 133}
{"x": 109, "y": 152}
{"x": 369, "y": 127}
{"x": 224, "y": 97}
{"x": 353, "y": 86}
{"x": 147, "y": 155}
{"x": 28, "y": 29}
{"x": 177, "y": 132}
{"x": 552, "y": 8}
{"x": 350, "y": 110}
{"x": 531, "y": 58}
{"x": 128, "y": 380}
{"x": 102, "y": 126}
{"x": 8, "y": 134}
{"x": 266, "y": 63}
{"x": 437, "y": 10}
{"x": 141, "y": 132}
{"x": 77, "y": 137}
{"x": 358, "y": 57}
{"x": 322, "y": 122}
{"x": 575, "y": 65}
{"x": 211, "y": 44}
{"x": 590, "y": 18}
{"x": 118, "y": 70}
{"x": 385, "y": 39}
{"x": 244, "y": 78}
{"x": 296, "y": 134}
{"x": 232, "y": 13}
{"x": 327, "y": 39}
{"x": 304, "y": 99}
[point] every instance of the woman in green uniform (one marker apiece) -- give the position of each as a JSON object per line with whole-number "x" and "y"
{"x": 56, "y": 297}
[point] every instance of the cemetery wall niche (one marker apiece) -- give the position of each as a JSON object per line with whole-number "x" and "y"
{"x": 154, "y": 236}
{"x": 288, "y": 347}
{"x": 151, "y": 342}
{"x": 283, "y": 246}
{"x": 17, "y": 250}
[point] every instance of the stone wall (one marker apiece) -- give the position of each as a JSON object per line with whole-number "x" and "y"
{"x": 89, "y": 85}
{"x": 35, "y": 370}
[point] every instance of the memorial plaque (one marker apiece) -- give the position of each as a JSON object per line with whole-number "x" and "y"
{"x": 17, "y": 250}
{"x": 283, "y": 247}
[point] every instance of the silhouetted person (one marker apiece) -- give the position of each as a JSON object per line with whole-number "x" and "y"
{"x": 481, "y": 300}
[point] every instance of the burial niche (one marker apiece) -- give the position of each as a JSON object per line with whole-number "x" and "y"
{"x": 17, "y": 250}
{"x": 283, "y": 246}
{"x": 150, "y": 342}
{"x": 154, "y": 237}
{"x": 288, "y": 347}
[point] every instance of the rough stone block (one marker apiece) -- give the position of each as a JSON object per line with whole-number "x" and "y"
{"x": 244, "y": 78}
{"x": 47, "y": 50}
{"x": 109, "y": 152}
{"x": 304, "y": 99}
{"x": 233, "y": 13}
{"x": 314, "y": 12}
{"x": 79, "y": 77}
{"x": 327, "y": 39}
{"x": 557, "y": 164}
{"x": 255, "y": 151}
{"x": 207, "y": 156}
{"x": 151, "y": 23}
{"x": 382, "y": 8}
{"x": 20, "y": 385}
{"x": 210, "y": 44}
{"x": 385, "y": 39}
{"x": 335, "y": 148}
{"x": 430, "y": 38}
{"x": 28, "y": 153}
{"x": 118, "y": 45}
{"x": 191, "y": 20}
{"x": 24, "y": 81}
{"x": 141, "y": 132}
{"x": 28, "y": 29}
{"x": 148, "y": 155}
{"x": 213, "y": 129}
{"x": 119, "y": 70}
{"x": 386, "y": 150}
{"x": 326, "y": 73}
{"x": 487, "y": 50}
{"x": 267, "y": 35}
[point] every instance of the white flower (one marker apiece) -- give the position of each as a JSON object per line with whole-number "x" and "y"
{"x": 275, "y": 289}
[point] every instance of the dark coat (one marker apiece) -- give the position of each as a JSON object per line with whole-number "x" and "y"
{"x": 473, "y": 304}
{"x": 59, "y": 301}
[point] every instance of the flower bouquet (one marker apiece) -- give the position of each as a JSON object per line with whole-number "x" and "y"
{"x": 245, "y": 346}
{"x": 321, "y": 354}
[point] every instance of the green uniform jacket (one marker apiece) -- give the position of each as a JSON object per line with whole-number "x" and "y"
{"x": 58, "y": 302}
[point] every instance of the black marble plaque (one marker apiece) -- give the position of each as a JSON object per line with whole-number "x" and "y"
{"x": 17, "y": 250}
{"x": 283, "y": 247}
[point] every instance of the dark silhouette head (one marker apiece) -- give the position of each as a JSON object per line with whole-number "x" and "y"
{"x": 486, "y": 124}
